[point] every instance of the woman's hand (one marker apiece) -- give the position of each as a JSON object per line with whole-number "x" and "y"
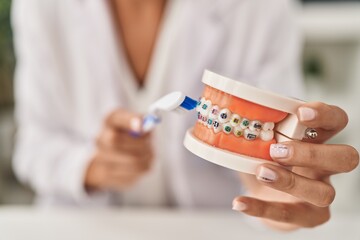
{"x": 121, "y": 158}
{"x": 307, "y": 188}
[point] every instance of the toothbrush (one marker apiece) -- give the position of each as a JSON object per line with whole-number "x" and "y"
{"x": 175, "y": 101}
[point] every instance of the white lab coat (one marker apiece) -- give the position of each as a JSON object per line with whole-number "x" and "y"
{"x": 71, "y": 72}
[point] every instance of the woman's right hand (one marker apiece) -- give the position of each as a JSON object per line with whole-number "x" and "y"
{"x": 121, "y": 158}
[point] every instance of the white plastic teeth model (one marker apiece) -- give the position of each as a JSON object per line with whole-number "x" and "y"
{"x": 238, "y": 131}
{"x": 205, "y": 108}
{"x": 255, "y": 126}
{"x": 199, "y": 105}
{"x": 266, "y": 135}
{"x": 250, "y": 135}
{"x": 204, "y": 120}
{"x": 217, "y": 126}
{"x": 235, "y": 120}
{"x": 199, "y": 117}
{"x": 268, "y": 126}
{"x": 244, "y": 123}
{"x": 227, "y": 128}
{"x": 209, "y": 122}
{"x": 224, "y": 115}
{"x": 222, "y": 120}
{"x": 214, "y": 112}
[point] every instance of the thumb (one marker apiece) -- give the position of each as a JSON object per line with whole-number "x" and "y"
{"x": 125, "y": 120}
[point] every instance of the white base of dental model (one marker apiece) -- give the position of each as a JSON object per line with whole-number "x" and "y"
{"x": 234, "y": 161}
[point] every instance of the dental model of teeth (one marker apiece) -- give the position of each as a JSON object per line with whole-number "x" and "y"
{"x": 231, "y": 123}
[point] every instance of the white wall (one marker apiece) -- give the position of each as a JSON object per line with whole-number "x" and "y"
{"x": 332, "y": 36}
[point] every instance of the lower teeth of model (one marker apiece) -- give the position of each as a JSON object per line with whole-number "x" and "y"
{"x": 223, "y": 120}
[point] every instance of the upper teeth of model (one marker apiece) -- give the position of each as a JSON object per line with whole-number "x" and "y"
{"x": 231, "y": 123}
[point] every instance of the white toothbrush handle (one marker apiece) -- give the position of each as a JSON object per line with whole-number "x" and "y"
{"x": 150, "y": 122}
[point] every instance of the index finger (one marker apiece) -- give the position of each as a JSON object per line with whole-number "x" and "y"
{"x": 331, "y": 158}
{"x": 300, "y": 214}
{"x": 124, "y": 120}
{"x": 326, "y": 119}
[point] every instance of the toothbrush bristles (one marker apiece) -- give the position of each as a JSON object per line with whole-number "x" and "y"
{"x": 188, "y": 104}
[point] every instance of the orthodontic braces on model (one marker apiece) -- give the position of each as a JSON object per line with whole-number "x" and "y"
{"x": 237, "y": 123}
{"x": 216, "y": 119}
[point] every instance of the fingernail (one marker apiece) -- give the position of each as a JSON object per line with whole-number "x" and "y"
{"x": 279, "y": 151}
{"x": 239, "y": 206}
{"x": 135, "y": 125}
{"x": 307, "y": 114}
{"x": 266, "y": 175}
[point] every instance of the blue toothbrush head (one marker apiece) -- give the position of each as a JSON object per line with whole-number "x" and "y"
{"x": 189, "y": 104}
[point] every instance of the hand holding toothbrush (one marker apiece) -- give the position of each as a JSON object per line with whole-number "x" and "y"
{"x": 124, "y": 150}
{"x": 120, "y": 159}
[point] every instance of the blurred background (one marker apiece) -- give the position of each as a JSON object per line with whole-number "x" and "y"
{"x": 331, "y": 64}
{"x": 10, "y": 190}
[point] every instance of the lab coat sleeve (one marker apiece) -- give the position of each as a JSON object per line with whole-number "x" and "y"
{"x": 280, "y": 67}
{"x": 49, "y": 155}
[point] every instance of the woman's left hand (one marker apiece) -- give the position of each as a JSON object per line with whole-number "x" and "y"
{"x": 309, "y": 192}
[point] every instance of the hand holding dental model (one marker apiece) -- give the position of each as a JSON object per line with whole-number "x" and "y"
{"x": 124, "y": 149}
{"x": 121, "y": 159}
{"x": 258, "y": 132}
{"x": 301, "y": 197}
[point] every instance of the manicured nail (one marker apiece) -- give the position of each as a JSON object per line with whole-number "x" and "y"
{"x": 239, "y": 206}
{"x": 279, "y": 151}
{"x": 307, "y": 114}
{"x": 266, "y": 175}
{"x": 135, "y": 125}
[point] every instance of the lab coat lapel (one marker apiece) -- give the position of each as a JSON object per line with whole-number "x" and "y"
{"x": 123, "y": 78}
{"x": 199, "y": 45}
{"x": 215, "y": 30}
{"x": 163, "y": 52}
